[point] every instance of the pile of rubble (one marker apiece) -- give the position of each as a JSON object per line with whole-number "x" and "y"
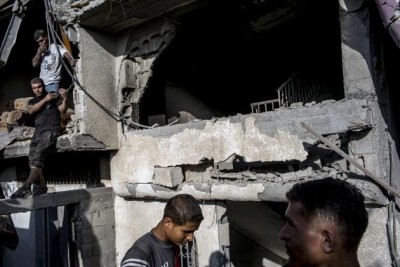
{"x": 18, "y": 116}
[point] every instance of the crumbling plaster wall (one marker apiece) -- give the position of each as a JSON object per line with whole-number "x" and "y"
{"x": 374, "y": 249}
{"x": 357, "y": 57}
{"x": 143, "y": 46}
{"x": 147, "y": 162}
{"x": 363, "y": 79}
{"x": 161, "y": 162}
{"x": 114, "y": 71}
{"x": 267, "y": 137}
{"x": 96, "y": 72}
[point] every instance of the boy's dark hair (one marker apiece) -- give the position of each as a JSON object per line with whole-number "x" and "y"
{"x": 335, "y": 200}
{"x": 37, "y": 80}
{"x": 183, "y": 208}
{"x": 39, "y": 33}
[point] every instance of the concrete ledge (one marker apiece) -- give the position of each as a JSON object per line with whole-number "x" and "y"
{"x": 8, "y": 206}
{"x": 78, "y": 142}
{"x": 234, "y": 191}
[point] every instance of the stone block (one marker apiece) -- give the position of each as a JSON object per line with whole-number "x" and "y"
{"x": 169, "y": 177}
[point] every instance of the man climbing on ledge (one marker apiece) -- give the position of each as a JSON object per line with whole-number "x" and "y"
{"x": 46, "y": 108}
{"x": 49, "y": 59}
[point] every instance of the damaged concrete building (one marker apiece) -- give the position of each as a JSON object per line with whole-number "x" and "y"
{"x": 232, "y": 102}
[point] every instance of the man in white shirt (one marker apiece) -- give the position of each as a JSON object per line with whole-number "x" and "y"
{"x": 49, "y": 59}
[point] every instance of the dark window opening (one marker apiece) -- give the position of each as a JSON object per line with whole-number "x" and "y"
{"x": 220, "y": 62}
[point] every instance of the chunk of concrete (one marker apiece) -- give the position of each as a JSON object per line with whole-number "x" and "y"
{"x": 169, "y": 177}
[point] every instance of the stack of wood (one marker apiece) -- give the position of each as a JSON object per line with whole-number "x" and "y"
{"x": 19, "y": 116}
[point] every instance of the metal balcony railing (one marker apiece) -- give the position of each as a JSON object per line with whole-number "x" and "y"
{"x": 293, "y": 90}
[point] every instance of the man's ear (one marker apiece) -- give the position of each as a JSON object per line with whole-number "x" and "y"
{"x": 167, "y": 221}
{"x": 328, "y": 241}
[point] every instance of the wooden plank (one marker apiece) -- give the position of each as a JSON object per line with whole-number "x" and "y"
{"x": 54, "y": 199}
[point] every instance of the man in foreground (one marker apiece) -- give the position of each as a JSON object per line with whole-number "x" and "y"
{"x": 46, "y": 108}
{"x": 160, "y": 246}
{"x": 326, "y": 220}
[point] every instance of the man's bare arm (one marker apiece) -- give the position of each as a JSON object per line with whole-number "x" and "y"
{"x": 32, "y": 109}
{"x": 63, "y": 107}
{"x": 38, "y": 57}
{"x": 71, "y": 60}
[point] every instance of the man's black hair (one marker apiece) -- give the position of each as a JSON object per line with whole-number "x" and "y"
{"x": 39, "y": 33}
{"x": 183, "y": 208}
{"x": 335, "y": 200}
{"x": 37, "y": 80}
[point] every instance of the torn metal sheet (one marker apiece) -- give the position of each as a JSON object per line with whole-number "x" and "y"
{"x": 11, "y": 34}
{"x": 389, "y": 11}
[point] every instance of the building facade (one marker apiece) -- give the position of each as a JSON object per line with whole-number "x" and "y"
{"x": 222, "y": 100}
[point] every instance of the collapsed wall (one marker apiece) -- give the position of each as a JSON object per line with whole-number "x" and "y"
{"x": 233, "y": 162}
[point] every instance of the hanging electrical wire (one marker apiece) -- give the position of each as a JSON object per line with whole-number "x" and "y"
{"x": 391, "y": 232}
{"x": 52, "y": 37}
{"x": 391, "y": 221}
